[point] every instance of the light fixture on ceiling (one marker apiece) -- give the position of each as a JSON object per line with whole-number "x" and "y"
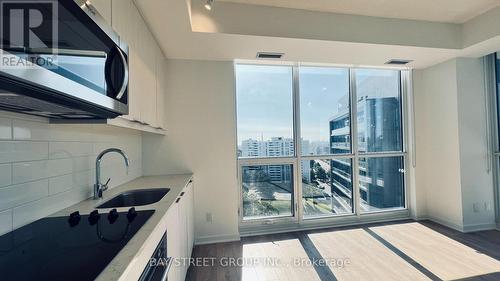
{"x": 208, "y": 5}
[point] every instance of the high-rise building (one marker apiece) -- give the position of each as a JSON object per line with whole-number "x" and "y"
{"x": 378, "y": 123}
{"x": 279, "y": 146}
{"x": 305, "y": 170}
{"x": 253, "y": 148}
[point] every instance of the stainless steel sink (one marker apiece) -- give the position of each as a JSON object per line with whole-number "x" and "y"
{"x": 136, "y": 197}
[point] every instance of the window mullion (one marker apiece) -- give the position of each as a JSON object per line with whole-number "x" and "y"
{"x": 354, "y": 142}
{"x": 298, "y": 145}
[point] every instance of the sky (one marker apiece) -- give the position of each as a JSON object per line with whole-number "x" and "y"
{"x": 264, "y": 99}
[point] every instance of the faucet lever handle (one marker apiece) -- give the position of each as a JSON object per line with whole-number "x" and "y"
{"x": 105, "y": 186}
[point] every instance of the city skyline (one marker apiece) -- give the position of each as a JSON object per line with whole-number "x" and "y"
{"x": 265, "y": 98}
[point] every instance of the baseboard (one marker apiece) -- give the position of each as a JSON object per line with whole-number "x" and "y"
{"x": 312, "y": 225}
{"x": 461, "y": 228}
{"x": 441, "y": 221}
{"x": 211, "y": 239}
{"x": 479, "y": 227}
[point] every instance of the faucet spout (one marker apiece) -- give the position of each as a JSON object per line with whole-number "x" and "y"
{"x": 98, "y": 186}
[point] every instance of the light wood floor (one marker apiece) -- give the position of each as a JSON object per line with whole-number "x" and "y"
{"x": 405, "y": 250}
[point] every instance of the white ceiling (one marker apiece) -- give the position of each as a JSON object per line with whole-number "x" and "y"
{"x": 170, "y": 21}
{"x": 450, "y": 11}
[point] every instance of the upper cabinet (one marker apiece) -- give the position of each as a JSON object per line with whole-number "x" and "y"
{"x": 104, "y": 8}
{"x": 146, "y": 80}
{"x": 122, "y": 20}
{"x": 160, "y": 88}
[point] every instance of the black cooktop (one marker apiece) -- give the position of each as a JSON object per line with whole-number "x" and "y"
{"x": 67, "y": 248}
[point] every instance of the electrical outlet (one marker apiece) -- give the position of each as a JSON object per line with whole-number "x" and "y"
{"x": 209, "y": 217}
{"x": 476, "y": 207}
{"x": 488, "y": 206}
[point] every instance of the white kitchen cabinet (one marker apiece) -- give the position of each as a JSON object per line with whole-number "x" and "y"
{"x": 149, "y": 79}
{"x": 122, "y": 12}
{"x": 180, "y": 234}
{"x": 103, "y": 8}
{"x": 183, "y": 239}
{"x": 190, "y": 217}
{"x": 133, "y": 27}
{"x": 173, "y": 247}
{"x": 146, "y": 95}
{"x": 160, "y": 89}
{"x": 186, "y": 225}
{"x": 134, "y": 86}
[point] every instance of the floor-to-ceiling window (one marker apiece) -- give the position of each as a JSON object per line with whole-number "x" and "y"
{"x": 319, "y": 142}
{"x": 326, "y": 150}
{"x": 266, "y": 144}
{"x": 492, "y": 72}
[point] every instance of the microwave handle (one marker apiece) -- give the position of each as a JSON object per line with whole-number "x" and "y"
{"x": 125, "y": 75}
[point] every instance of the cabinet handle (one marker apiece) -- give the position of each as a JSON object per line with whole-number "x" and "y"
{"x": 178, "y": 199}
{"x": 182, "y": 193}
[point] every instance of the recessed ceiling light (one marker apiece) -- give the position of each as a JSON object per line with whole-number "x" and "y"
{"x": 208, "y": 5}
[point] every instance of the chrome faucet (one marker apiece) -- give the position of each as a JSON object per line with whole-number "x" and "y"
{"x": 98, "y": 186}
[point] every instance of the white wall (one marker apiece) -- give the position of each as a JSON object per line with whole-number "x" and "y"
{"x": 476, "y": 179}
{"x": 438, "y": 158}
{"x": 451, "y": 145}
{"x": 45, "y": 168}
{"x": 417, "y": 194}
{"x": 201, "y": 138}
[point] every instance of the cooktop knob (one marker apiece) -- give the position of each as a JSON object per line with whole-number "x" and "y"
{"x": 132, "y": 213}
{"x": 112, "y": 216}
{"x": 74, "y": 218}
{"x": 94, "y": 217}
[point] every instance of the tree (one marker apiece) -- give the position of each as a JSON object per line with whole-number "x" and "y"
{"x": 313, "y": 175}
{"x": 255, "y": 176}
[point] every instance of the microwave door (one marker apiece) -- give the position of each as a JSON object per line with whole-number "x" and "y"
{"x": 82, "y": 66}
{"x": 90, "y": 64}
{"x": 84, "y": 48}
{"x": 44, "y": 79}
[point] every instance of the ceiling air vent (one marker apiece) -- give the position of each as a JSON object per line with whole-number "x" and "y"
{"x": 268, "y": 55}
{"x": 398, "y": 62}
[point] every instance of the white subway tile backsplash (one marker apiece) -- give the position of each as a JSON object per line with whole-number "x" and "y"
{"x": 17, "y": 151}
{"x": 48, "y": 205}
{"x": 60, "y": 184}
{"x": 76, "y": 132}
{"x": 30, "y": 130}
{"x": 79, "y": 180}
{"x": 16, "y": 195}
{"x": 30, "y": 171}
{"x": 5, "y": 221}
{"x": 5, "y": 129}
{"x": 46, "y": 167}
{"x": 70, "y": 149}
{"x": 5, "y": 174}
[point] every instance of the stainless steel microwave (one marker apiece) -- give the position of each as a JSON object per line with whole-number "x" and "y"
{"x": 59, "y": 59}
